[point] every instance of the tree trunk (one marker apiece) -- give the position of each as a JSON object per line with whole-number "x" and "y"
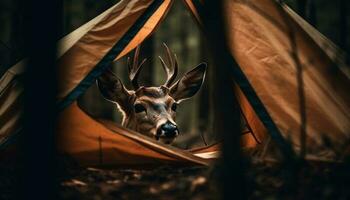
{"x": 42, "y": 21}
{"x": 343, "y": 23}
{"x": 226, "y": 110}
{"x": 312, "y": 13}
{"x": 204, "y": 104}
{"x": 301, "y": 5}
{"x": 147, "y": 51}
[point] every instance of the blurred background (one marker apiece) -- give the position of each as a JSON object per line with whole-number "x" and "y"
{"x": 184, "y": 38}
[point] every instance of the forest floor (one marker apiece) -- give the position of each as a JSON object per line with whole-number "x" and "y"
{"x": 263, "y": 181}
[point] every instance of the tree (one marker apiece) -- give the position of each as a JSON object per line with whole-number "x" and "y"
{"x": 301, "y": 6}
{"x": 204, "y": 104}
{"x": 307, "y": 10}
{"x": 343, "y": 24}
{"x": 312, "y": 12}
{"x": 147, "y": 51}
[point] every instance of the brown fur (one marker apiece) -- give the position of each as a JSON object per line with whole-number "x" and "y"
{"x": 146, "y": 109}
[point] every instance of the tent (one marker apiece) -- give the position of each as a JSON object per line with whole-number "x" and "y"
{"x": 269, "y": 42}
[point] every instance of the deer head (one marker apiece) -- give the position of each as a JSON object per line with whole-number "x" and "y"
{"x": 151, "y": 110}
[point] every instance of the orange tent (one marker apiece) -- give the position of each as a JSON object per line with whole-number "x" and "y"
{"x": 268, "y": 41}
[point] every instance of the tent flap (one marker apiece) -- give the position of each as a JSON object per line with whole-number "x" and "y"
{"x": 86, "y": 60}
{"x": 272, "y": 50}
{"x": 94, "y": 143}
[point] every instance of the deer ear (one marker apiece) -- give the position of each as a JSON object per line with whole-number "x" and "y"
{"x": 113, "y": 89}
{"x": 189, "y": 84}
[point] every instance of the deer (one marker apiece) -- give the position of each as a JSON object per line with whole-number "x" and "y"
{"x": 151, "y": 111}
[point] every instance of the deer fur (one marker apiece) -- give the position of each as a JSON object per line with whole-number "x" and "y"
{"x": 152, "y": 110}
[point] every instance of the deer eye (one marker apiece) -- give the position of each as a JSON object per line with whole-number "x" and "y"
{"x": 174, "y": 107}
{"x": 139, "y": 108}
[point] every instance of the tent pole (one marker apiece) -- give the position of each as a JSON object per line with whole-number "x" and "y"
{"x": 37, "y": 142}
{"x": 227, "y": 120}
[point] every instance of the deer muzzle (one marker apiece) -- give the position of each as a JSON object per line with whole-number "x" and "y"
{"x": 167, "y": 132}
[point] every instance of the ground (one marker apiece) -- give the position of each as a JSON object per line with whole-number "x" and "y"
{"x": 264, "y": 180}
{"x": 160, "y": 183}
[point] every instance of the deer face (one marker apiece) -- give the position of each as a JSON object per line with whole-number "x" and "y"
{"x": 152, "y": 110}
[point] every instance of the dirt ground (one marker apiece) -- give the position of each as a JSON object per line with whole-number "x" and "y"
{"x": 263, "y": 181}
{"x": 159, "y": 183}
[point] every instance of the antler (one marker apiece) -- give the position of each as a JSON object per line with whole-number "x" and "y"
{"x": 171, "y": 70}
{"x": 134, "y": 68}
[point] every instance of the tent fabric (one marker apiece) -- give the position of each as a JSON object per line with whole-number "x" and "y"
{"x": 93, "y": 143}
{"x": 268, "y": 42}
{"x": 262, "y": 37}
{"x": 333, "y": 51}
{"x": 257, "y": 131}
{"x": 10, "y": 110}
{"x": 270, "y": 48}
{"x": 86, "y": 51}
{"x": 259, "y": 35}
{"x": 113, "y": 35}
{"x": 11, "y": 88}
{"x": 256, "y": 127}
{"x": 103, "y": 143}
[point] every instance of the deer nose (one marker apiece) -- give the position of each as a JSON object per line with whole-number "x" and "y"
{"x": 168, "y": 130}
